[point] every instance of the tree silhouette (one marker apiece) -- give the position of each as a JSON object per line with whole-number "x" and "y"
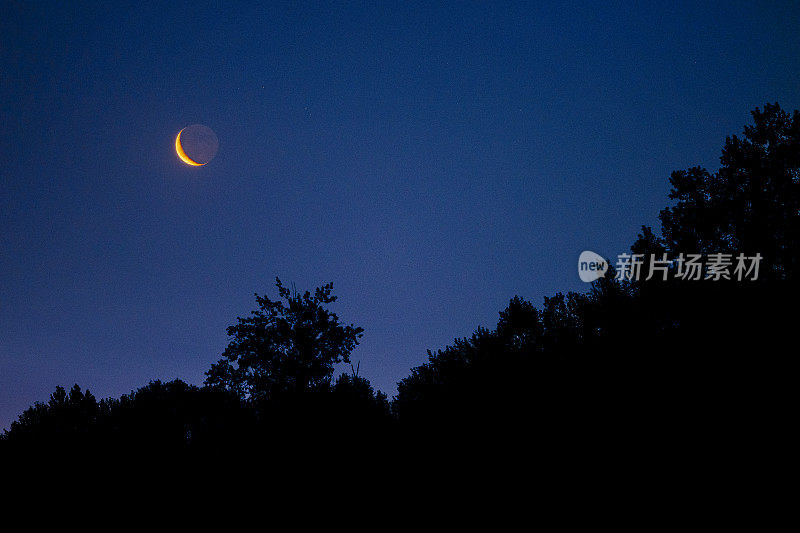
{"x": 659, "y": 378}
{"x": 156, "y": 417}
{"x": 704, "y": 361}
{"x": 286, "y": 346}
{"x": 751, "y": 204}
{"x": 66, "y": 419}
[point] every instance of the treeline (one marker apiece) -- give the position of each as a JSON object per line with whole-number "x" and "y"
{"x": 664, "y": 372}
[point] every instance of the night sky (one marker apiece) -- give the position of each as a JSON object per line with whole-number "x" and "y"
{"x": 432, "y": 162}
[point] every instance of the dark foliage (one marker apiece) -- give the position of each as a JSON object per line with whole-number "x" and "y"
{"x": 659, "y": 380}
{"x": 285, "y": 348}
{"x": 158, "y": 417}
{"x": 648, "y": 340}
{"x": 272, "y": 391}
{"x": 634, "y": 381}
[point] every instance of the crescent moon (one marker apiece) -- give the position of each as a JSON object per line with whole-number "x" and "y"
{"x": 185, "y": 158}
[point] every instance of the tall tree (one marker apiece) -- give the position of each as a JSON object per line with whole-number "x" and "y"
{"x": 286, "y": 345}
{"x": 751, "y": 204}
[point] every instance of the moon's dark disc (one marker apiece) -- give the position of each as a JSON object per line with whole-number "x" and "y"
{"x": 200, "y": 143}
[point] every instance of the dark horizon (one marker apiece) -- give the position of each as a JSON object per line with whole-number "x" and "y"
{"x": 431, "y": 163}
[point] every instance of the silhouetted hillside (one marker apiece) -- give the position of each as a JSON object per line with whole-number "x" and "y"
{"x": 667, "y": 379}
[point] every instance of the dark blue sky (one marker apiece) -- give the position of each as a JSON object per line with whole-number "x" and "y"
{"x": 432, "y": 162}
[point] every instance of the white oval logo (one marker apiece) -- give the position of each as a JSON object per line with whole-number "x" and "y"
{"x": 591, "y": 266}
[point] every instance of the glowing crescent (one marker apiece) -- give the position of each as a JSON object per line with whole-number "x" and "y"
{"x": 185, "y": 158}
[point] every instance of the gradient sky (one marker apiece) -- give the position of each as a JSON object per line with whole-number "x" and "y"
{"x": 432, "y": 162}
